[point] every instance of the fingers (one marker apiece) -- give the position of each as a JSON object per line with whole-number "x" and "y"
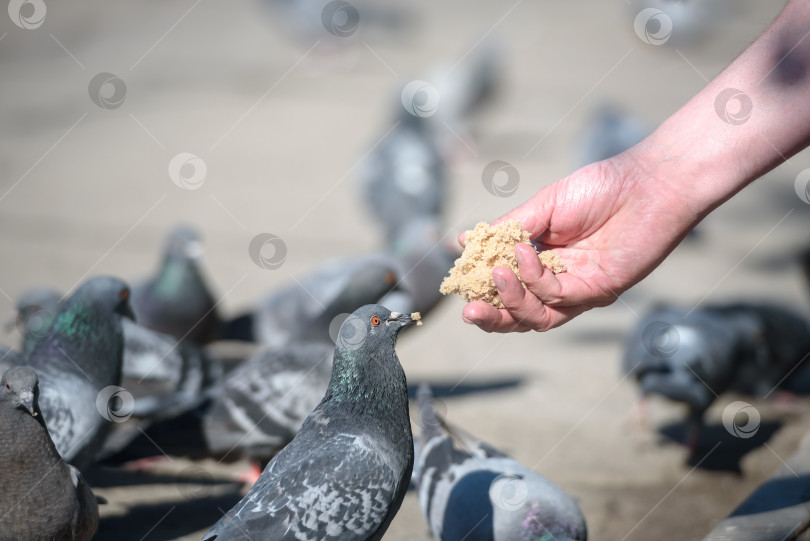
{"x": 523, "y": 311}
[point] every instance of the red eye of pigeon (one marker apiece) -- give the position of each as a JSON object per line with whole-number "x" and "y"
{"x": 375, "y": 320}
{"x": 124, "y": 294}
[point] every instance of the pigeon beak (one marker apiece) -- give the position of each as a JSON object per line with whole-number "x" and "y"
{"x": 403, "y": 320}
{"x": 27, "y": 402}
{"x": 126, "y": 311}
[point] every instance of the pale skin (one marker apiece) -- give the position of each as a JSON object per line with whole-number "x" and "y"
{"x": 615, "y": 221}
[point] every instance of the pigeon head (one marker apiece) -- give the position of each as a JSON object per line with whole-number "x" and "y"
{"x": 184, "y": 243}
{"x": 370, "y": 328}
{"x": 105, "y": 294}
{"x": 366, "y": 370}
{"x": 20, "y": 387}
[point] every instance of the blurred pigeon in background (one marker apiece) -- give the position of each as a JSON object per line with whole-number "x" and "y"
{"x": 421, "y": 255}
{"x": 79, "y": 356}
{"x": 609, "y": 130}
{"x": 305, "y": 308}
{"x": 466, "y": 88}
{"x": 42, "y": 496}
{"x": 677, "y": 23}
{"x": 177, "y": 301}
{"x": 694, "y": 356}
{"x": 404, "y": 176}
{"x": 345, "y": 473}
{"x": 470, "y": 490}
{"x": 163, "y": 375}
{"x": 9, "y": 358}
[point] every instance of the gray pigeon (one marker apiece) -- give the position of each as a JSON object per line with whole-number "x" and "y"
{"x": 259, "y": 406}
{"x": 177, "y": 300}
{"x": 421, "y": 257}
{"x": 42, "y": 497}
{"x": 404, "y": 176}
{"x": 694, "y": 357}
{"x": 405, "y": 278}
{"x": 305, "y": 308}
{"x": 163, "y": 375}
{"x": 78, "y": 357}
{"x": 470, "y": 490}
{"x": 345, "y": 473}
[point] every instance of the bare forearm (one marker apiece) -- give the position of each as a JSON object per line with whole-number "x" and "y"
{"x": 747, "y": 121}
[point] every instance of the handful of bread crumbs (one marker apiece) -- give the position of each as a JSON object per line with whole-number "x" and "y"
{"x": 489, "y": 247}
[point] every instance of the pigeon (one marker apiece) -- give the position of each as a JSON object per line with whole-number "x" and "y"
{"x": 252, "y": 412}
{"x": 43, "y": 497}
{"x": 305, "y": 308}
{"x": 345, "y": 473}
{"x": 466, "y": 88}
{"x": 609, "y": 130}
{"x": 79, "y": 357}
{"x": 469, "y": 490}
{"x": 164, "y": 376}
{"x": 421, "y": 257}
{"x": 694, "y": 356}
{"x": 405, "y": 175}
{"x": 177, "y": 301}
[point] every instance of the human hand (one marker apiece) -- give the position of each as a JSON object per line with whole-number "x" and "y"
{"x": 610, "y": 222}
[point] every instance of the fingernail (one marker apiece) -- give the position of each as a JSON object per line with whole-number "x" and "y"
{"x": 500, "y": 282}
{"x": 521, "y": 259}
{"x": 470, "y": 321}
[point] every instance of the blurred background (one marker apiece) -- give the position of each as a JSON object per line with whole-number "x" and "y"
{"x": 272, "y": 117}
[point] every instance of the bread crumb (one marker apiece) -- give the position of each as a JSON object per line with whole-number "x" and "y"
{"x": 489, "y": 247}
{"x": 417, "y": 317}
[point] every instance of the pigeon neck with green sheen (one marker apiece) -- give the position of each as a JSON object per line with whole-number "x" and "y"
{"x": 367, "y": 381}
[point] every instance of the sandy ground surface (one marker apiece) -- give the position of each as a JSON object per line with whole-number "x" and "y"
{"x": 282, "y": 125}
